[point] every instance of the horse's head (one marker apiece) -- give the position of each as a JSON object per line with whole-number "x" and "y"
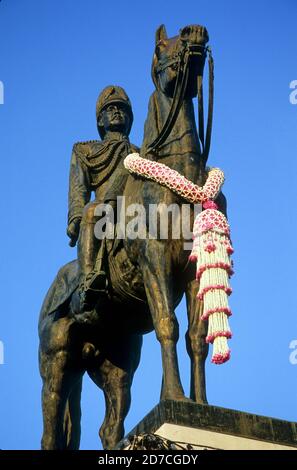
{"x": 173, "y": 55}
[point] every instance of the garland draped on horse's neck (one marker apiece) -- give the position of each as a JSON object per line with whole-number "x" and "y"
{"x": 168, "y": 132}
{"x": 211, "y": 249}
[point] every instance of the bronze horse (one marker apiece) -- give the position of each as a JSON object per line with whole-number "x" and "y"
{"x": 147, "y": 277}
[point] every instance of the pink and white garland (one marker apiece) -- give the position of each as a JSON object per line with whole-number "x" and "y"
{"x": 211, "y": 248}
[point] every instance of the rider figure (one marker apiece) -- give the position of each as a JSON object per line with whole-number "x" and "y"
{"x": 97, "y": 167}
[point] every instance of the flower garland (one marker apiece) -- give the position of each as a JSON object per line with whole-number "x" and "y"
{"x": 211, "y": 248}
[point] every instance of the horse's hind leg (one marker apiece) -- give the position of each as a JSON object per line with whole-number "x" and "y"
{"x": 114, "y": 376}
{"x": 58, "y": 381}
{"x": 116, "y": 385}
{"x": 196, "y": 346}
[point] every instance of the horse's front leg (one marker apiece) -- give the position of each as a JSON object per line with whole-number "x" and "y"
{"x": 195, "y": 340}
{"x": 156, "y": 269}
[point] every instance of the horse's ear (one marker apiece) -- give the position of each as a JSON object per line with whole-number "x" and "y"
{"x": 161, "y": 33}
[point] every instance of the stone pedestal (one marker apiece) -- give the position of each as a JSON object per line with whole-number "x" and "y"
{"x": 211, "y": 427}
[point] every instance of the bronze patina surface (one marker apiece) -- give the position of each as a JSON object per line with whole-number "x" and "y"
{"x": 87, "y": 325}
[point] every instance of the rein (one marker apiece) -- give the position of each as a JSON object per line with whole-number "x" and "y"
{"x": 178, "y": 97}
{"x": 181, "y": 60}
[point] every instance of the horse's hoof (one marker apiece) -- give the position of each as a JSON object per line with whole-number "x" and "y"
{"x": 200, "y": 402}
{"x": 178, "y": 397}
{"x": 185, "y": 399}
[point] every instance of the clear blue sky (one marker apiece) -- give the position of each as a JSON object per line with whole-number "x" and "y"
{"x": 56, "y": 55}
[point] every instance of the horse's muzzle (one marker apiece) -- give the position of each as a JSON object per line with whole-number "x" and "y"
{"x": 194, "y": 35}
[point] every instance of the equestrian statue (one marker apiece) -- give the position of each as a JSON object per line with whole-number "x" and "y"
{"x": 121, "y": 286}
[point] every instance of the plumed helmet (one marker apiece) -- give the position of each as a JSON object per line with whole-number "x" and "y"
{"x": 113, "y": 94}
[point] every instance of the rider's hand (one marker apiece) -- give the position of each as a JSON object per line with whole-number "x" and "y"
{"x": 73, "y": 231}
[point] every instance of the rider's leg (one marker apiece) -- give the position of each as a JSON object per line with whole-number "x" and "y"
{"x": 92, "y": 277}
{"x": 87, "y": 244}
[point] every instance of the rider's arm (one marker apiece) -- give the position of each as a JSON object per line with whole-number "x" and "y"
{"x": 79, "y": 188}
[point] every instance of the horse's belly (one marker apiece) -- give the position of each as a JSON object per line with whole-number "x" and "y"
{"x": 132, "y": 317}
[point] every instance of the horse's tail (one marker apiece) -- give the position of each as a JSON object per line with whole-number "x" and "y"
{"x": 72, "y": 418}
{"x": 61, "y": 289}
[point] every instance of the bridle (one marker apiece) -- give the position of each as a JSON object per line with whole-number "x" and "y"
{"x": 180, "y": 60}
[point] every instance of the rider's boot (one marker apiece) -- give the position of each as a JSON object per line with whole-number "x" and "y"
{"x": 93, "y": 282}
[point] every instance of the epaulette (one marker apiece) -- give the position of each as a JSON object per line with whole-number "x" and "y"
{"x": 83, "y": 147}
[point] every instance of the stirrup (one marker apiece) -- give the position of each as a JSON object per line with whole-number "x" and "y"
{"x": 97, "y": 282}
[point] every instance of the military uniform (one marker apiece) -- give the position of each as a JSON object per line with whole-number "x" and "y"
{"x": 94, "y": 163}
